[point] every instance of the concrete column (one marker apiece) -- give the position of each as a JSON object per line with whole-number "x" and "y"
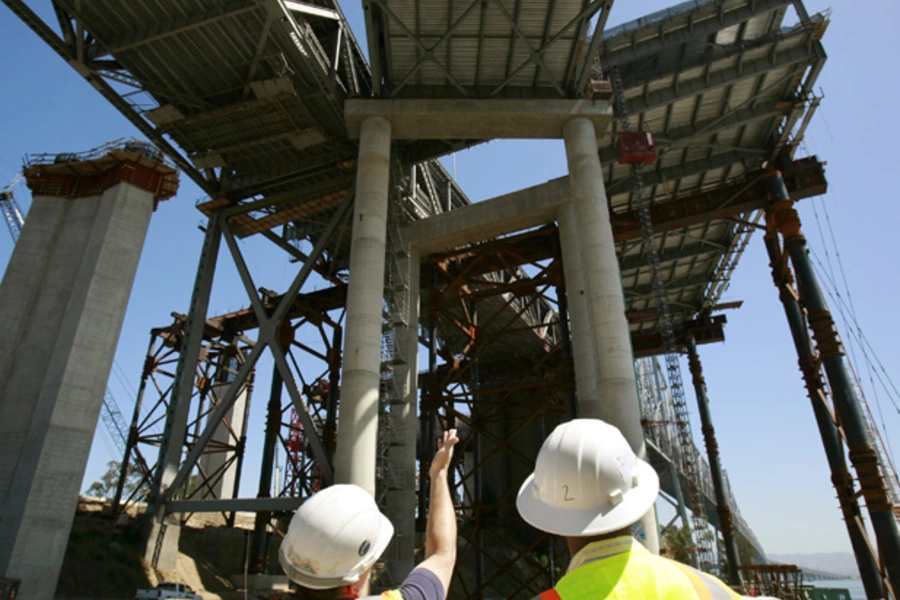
{"x": 584, "y": 352}
{"x": 401, "y": 502}
{"x": 354, "y": 459}
{"x": 212, "y": 462}
{"x": 64, "y": 298}
{"x": 617, "y": 400}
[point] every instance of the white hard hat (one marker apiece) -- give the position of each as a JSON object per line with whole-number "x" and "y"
{"x": 334, "y": 537}
{"x": 587, "y": 481}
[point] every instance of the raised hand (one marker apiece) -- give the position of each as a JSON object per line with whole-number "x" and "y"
{"x": 441, "y": 462}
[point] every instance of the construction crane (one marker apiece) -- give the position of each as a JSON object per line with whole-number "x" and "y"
{"x": 110, "y": 413}
{"x": 636, "y": 148}
{"x": 11, "y": 211}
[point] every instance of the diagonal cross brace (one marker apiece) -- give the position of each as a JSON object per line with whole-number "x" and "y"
{"x": 586, "y": 13}
{"x": 428, "y": 53}
{"x": 267, "y": 333}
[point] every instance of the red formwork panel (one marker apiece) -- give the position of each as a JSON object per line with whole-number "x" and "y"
{"x": 635, "y": 147}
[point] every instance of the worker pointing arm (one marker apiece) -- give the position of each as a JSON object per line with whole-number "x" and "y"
{"x": 337, "y": 535}
{"x": 440, "y": 531}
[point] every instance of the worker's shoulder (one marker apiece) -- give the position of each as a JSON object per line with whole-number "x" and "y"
{"x": 702, "y": 581}
{"x": 628, "y": 575}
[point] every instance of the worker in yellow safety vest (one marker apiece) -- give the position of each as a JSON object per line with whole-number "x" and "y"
{"x": 589, "y": 487}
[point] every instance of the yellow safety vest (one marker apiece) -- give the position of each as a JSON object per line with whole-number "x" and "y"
{"x": 622, "y": 569}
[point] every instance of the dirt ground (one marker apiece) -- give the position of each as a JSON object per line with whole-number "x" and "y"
{"x": 104, "y": 559}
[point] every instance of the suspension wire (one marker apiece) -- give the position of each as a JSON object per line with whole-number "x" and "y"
{"x": 852, "y": 324}
{"x": 837, "y": 253}
{"x": 852, "y": 343}
{"x": 815, "y": 205}
{"x": 119, "y": 372}
{"x": 864, "y": 342}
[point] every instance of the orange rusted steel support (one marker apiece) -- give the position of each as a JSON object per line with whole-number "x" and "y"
{"x": 782, "y": 218}
{"x": 726, "y": 526}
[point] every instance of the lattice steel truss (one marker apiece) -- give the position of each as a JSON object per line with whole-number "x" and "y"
{"x": 219, "y": 362}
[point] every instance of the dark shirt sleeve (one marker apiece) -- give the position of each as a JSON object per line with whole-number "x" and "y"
{"x": 420, "y": 584}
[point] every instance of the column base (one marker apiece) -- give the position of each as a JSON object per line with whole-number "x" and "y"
{"x": 161, "y": 549}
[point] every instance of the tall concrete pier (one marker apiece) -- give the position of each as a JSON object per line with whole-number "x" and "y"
{"x": 64, "y": 297}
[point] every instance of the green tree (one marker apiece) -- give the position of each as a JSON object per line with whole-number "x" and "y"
{"x": 106, "y": 486}
{"x": 677, "y": 543}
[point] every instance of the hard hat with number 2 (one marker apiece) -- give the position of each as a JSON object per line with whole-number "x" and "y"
{"x": 587, "y": 481}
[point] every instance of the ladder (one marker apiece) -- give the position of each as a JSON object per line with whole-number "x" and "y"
{"x": 703, "y": 554}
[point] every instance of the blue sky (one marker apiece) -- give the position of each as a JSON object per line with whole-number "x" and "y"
{"x": 767, "y": 435}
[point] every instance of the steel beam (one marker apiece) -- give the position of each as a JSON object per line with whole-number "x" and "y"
{"x": 667, "y": 174}
{"x": 805, "y": 92}
{"x": 680, "y": 137}
{"x": 846, "y": 403}
{"x": 726, "y": 526}
{"x": 669, "y": 254}
{"x": 268, "y": 332}
{"x": 698, "y": 29}
{"x": 645, "y": 74}
{"x": 312, "y": 10}
{"x": 307, "y": 60}
{"x": 704, "y": 331}
{"x": 581, "y": 79}
{"x": 159, "y": 31}
{"x": 718, "y": 79}
{"x": 43, "y": 31}
{"x": 671, "y": 285}
{"x": 874, "y": 582}
{"x": 805, "y": 179}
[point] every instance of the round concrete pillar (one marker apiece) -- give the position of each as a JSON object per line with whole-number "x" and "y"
{"x": 354, "y": 459}
{"x": 616, "y": 401}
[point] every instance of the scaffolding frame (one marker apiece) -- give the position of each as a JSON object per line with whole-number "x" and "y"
{"x": 481, "y": 303}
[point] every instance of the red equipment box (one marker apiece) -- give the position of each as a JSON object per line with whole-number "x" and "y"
{"x": 635, "y": 147}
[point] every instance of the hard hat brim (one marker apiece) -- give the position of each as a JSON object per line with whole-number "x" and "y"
{"x": 595, "y": 521}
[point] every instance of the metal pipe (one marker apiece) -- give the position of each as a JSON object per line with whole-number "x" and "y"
{"x": 873, "y": 580}
{"x": 357, "y": 445}
{"x": 617, "y": 400}
{"x": 726, "y": 526}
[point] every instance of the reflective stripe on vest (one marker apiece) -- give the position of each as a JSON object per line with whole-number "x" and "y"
{"x": 635, "y": 574}
{"x": 706, "y": 585}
